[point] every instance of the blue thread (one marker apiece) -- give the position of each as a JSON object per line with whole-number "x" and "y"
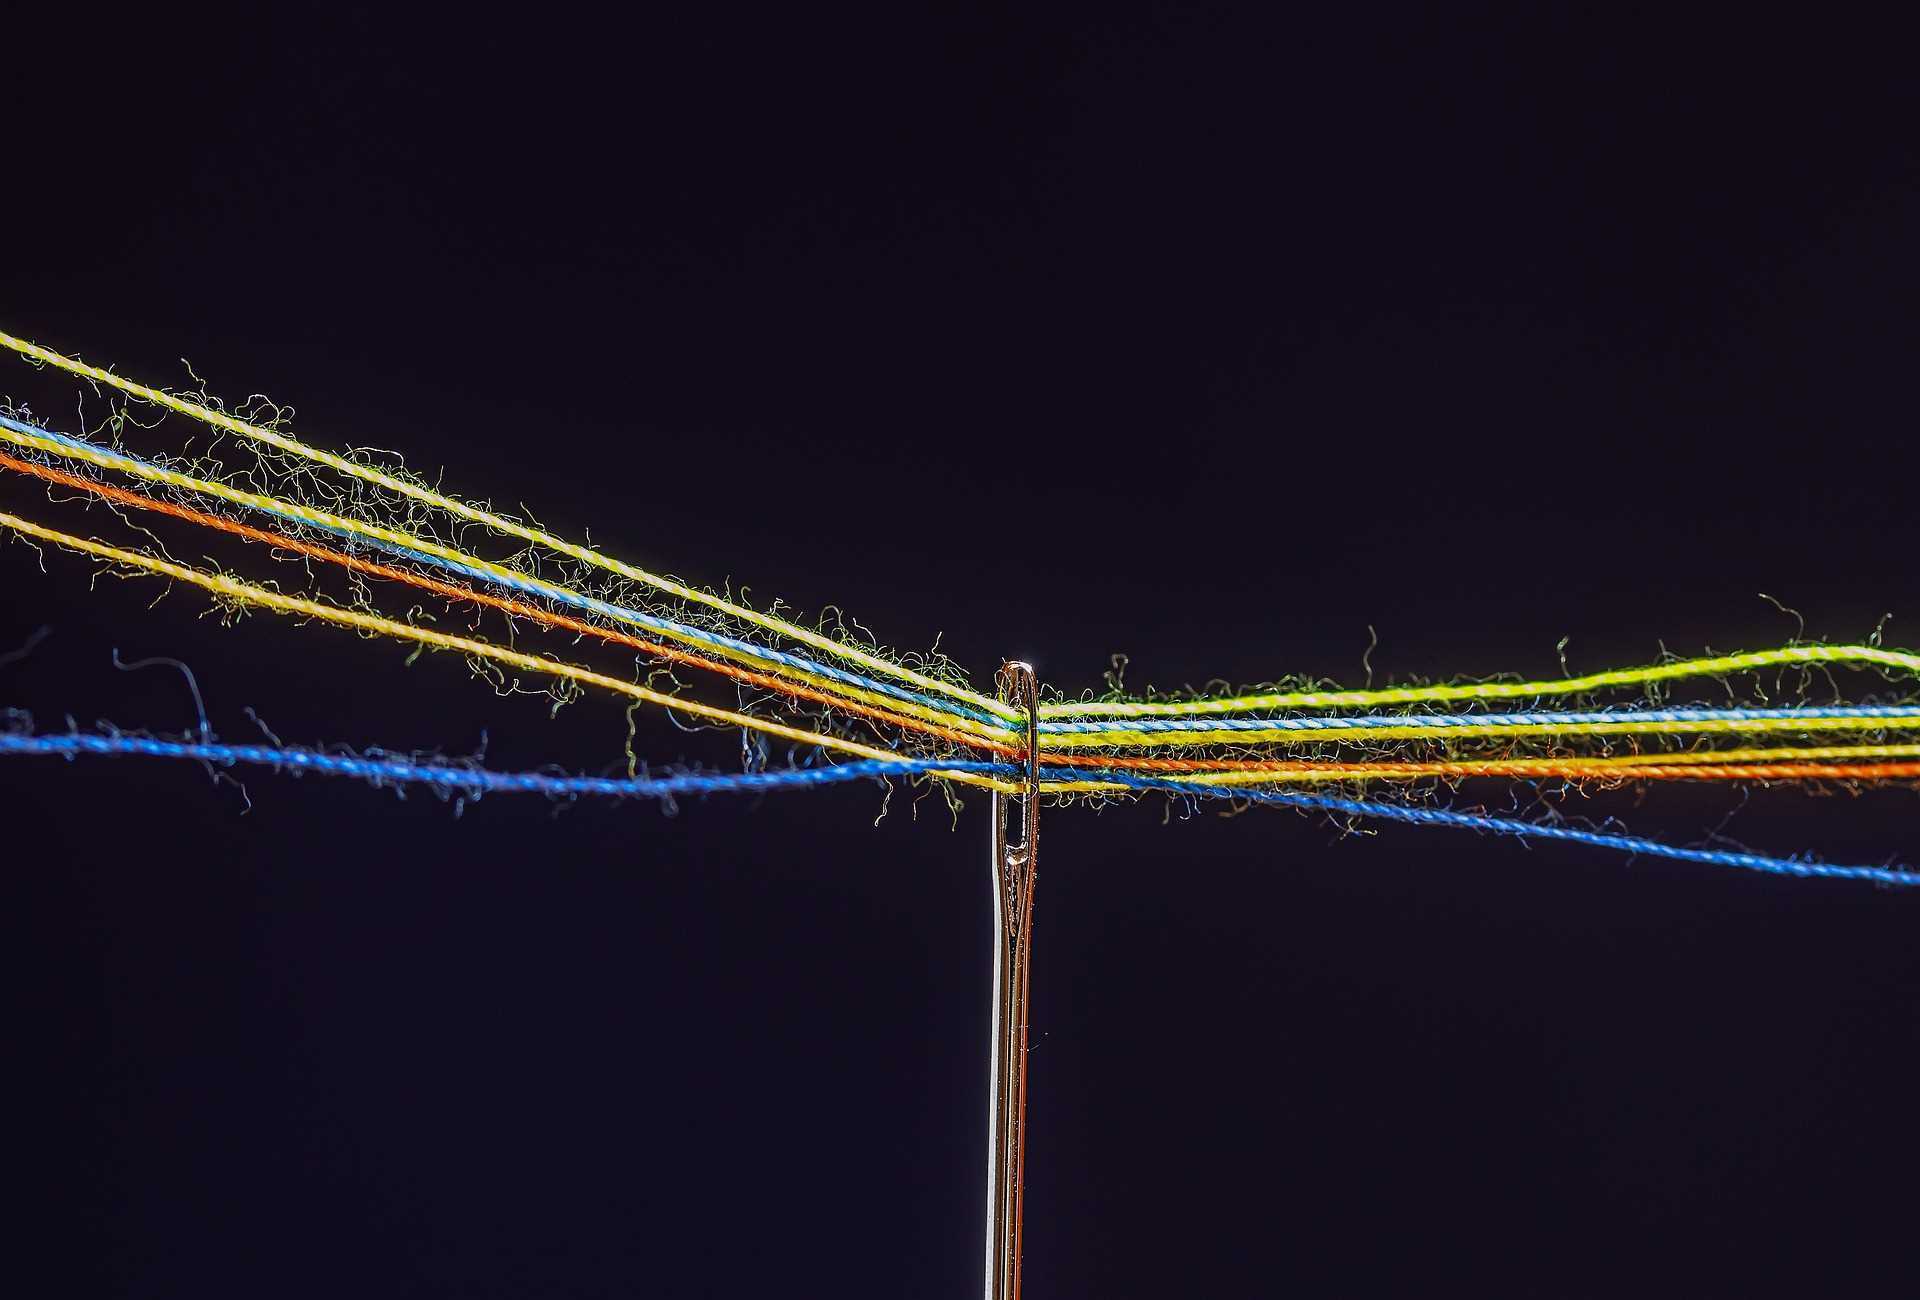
{"x": 1441, "y": 721}
{"x": 477, "y": 780}
{"x": 1530, "y": 830}
{"x": 534, "y": 586}
{"x": 480, "y": 781}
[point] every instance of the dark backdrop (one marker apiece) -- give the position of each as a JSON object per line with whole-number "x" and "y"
{"x": 1212, "y": 341}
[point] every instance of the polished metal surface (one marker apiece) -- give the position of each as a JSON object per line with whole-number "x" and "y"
{"x": 1012, "y": 880}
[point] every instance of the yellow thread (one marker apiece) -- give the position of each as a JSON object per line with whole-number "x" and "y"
{"x": 229, "y": 587}
{"x": 221, "y": 420}
{"x": 1492, "y": 690}
{"x": 1619, "y": 765}
{"x": 1813, "y": 721}
{"x": 324, "y": 519}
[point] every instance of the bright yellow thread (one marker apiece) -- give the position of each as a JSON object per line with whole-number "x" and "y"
{"x": 1491, "y": 690}
{"x": 221, "y": 420}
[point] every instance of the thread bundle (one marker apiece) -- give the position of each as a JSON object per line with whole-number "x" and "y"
{"x": 383, "y": 534}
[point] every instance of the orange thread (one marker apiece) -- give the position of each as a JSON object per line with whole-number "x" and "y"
{"x": 1585, "y": 772}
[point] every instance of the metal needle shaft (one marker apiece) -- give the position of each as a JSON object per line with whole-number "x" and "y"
{"x": 1013, "y": 880}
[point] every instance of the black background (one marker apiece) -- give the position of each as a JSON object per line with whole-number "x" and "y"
{"x": 1210, "y": 340}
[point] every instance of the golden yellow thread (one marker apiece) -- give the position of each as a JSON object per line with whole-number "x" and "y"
{"x": 1789, "y": 754}
{"x": 1492, "y": 690}
{"x": 221, "y": 420}
{"x": 1618, "y": 765}
{"x": 222, "y": 585}
{"x": 341, "y": 523}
